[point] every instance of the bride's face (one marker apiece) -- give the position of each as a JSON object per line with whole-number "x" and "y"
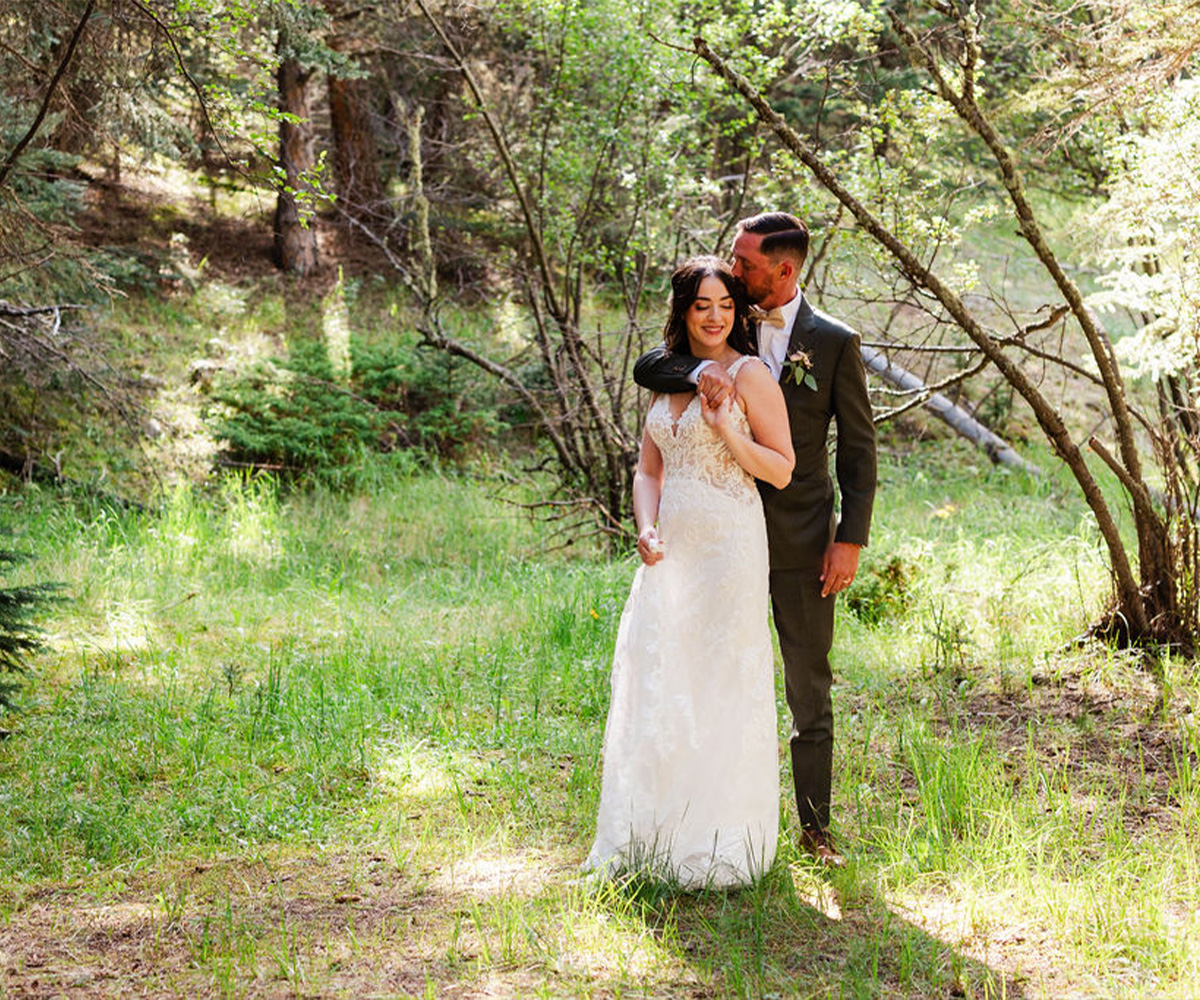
{"x": 709, "y": 318}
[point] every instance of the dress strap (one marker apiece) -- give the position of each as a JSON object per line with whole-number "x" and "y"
{"x": 736, "y": 366}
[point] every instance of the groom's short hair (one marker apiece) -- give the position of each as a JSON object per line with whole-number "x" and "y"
{"x": 781, "y": 233}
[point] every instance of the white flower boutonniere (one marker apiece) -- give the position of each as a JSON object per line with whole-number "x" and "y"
{"x": 798, "y": 367}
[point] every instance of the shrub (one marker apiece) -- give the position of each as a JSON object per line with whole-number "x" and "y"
{"x": 290, "y": 416}
{"x": 881, "y": 593}
{"x": 295, "y": 417}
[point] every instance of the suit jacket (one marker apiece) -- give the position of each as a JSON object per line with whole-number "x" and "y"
{"x": 800, "y": 517}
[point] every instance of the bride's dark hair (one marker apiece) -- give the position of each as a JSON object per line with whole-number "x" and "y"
{"x": 685, "y": 288}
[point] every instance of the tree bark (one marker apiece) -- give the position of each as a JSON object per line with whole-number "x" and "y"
{"x": 355, "y": 157}
{"x": 295, "y": 240}
{"x": 607, "y": 452}
{"x": 1129, "y": 596}
{"x": 1152, "y": 535}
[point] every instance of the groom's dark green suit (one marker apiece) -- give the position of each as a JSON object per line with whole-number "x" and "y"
{"x": 801, "y": 523}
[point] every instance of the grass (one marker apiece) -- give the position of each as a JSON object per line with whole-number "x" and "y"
{"x": 312, "y": 745}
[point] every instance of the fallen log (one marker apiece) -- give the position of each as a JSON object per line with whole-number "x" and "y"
{"x": 954, "y": 416}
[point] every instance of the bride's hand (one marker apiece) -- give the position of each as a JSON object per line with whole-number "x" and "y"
{"x": 717, "y": 417}
{"x": 650, "y": 546}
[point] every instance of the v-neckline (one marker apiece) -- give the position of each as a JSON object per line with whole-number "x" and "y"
{"x": 675, "y": 420}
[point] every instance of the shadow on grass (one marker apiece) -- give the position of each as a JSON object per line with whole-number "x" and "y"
{"x": 802, "y": 932}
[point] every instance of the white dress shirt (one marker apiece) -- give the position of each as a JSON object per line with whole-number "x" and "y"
{"x": 773, "y": 339}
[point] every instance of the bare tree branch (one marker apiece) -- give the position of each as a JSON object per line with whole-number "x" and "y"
{"x": 203, "y": 103}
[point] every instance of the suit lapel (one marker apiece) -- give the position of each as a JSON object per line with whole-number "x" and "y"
{"x": 801, "y": 327}
{"x": 802, "y": 324}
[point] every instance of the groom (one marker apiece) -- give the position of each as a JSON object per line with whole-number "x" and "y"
{"x": 814, "y": 555}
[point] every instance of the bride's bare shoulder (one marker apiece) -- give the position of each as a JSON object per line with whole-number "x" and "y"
{"x": 752, "y": 371}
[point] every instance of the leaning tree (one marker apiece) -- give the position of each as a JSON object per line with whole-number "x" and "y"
{"x": 1152, "y": 455}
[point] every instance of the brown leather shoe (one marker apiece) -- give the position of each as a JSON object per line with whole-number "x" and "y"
{"x": 819, "y": 844}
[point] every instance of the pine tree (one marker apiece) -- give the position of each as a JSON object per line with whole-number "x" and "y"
{"x": 19, "y": 636}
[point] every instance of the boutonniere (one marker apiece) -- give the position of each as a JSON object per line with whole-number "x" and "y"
{"x": 798, "y": 367}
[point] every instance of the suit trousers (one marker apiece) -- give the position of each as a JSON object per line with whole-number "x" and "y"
{"x": 804, "y": 623}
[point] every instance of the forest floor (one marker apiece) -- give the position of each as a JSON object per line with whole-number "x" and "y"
{"x": 347, "y": 747}
{"x": 364, "y": 917}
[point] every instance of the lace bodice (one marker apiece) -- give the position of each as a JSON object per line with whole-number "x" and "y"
{"x": 692, "y": 450}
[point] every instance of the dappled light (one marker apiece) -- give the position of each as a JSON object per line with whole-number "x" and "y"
{"x": 127, "y": 626}
{"x": 411, "y": 754}
{"x": 337, "y": 451}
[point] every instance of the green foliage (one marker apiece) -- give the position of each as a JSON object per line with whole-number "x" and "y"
{"x": 310, "y": 698}
{"x": 882, "y": 593}
{"x": 608, "y": 144}
{"x": 950, "y": 639}
{"x": 290, "y": 416}
{"x": 134, "y": 770}
{"x": 295, "y": 416}
{"x": 1146, "y": 235}
{"x": 67, "y": 412}
{"x": 19, "y": 635}
{"x": 100, "y": 102}
{"x": 37, "y": 209}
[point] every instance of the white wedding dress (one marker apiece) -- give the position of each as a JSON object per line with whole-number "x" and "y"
{"x": 690, "y": 785}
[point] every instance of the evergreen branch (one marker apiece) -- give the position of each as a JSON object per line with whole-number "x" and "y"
{"x": 192, "y": 83}
{"x": 33, "y": 68}
{"x": 58, "y": 75}
{"x": 7, "y": 309}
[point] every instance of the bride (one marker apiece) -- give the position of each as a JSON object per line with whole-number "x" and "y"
{"x": 690, "y": 785}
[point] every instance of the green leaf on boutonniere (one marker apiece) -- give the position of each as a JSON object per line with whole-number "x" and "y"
{"x": 798, "y": 367}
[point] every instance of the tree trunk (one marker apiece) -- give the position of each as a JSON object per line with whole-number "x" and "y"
{"x": 295, "y": 240}
{"x": 355, "y": 160}
{"x": 597, "y": 451}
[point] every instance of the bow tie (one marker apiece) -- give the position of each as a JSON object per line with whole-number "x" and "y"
{"x": 772, "y": 317}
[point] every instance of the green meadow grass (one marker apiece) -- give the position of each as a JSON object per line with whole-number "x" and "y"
{"x": 305, "y": 744}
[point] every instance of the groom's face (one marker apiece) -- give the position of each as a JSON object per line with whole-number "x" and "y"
{"x": 755, "y": 269}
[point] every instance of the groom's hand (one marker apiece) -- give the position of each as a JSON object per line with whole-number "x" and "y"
{"x": 839, "y": 567}
{"x": 714, "y": 384}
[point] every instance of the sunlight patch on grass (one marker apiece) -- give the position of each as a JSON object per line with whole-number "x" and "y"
{"x": 602, "y": 936}
{"x": 222, "y": 300}
{"x": 399, "y": 697}
{"x": 128, "y": 625}
{"x": 114, "y": 916}
{"x": 481, "y": 876}
{"x": 811, "y": 890}
{"x": 418, "y": 771}
{"x": 992, "y": 927}
{"x": 511, "y": 324}
{"x": 254, "y": 532}
{"x": 1115, "y": 919}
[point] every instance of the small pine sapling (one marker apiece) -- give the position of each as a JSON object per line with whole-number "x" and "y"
{"x": 19, "y": 635}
